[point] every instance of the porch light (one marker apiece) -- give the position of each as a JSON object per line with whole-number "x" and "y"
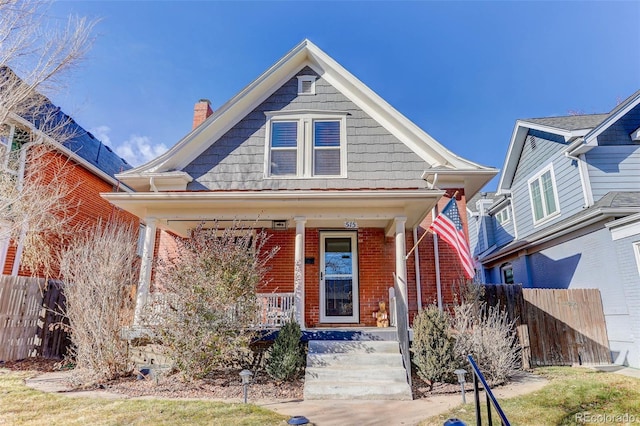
{"x": 245, "y": 375}
{"x": 460, "y": 373}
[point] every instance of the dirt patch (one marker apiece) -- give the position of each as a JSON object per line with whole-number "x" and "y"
{"x": 226, "y": 385}
{"x": 33, "y": 364}
{"x": 220, "y": 385}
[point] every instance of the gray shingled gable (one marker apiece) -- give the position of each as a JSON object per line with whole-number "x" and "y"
{"x": 375, "y": 158}
{"x": 570, "y": 122}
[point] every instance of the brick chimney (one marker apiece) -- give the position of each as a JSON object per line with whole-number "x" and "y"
{"x": 201, "y": 111}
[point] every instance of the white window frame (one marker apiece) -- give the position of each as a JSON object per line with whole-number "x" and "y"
{"x": 503, "y": 269}
{"x": 305, "y": 147}
{"x": 636, "y": 251}
{"x": 503, "y": 216}
{"x": 4, "y": 156}
{"x": 306, "y": 78}
{"x": 538, "y": 177}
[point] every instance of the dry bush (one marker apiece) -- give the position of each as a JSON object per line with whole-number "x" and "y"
{"x": 99, "y": 270}
{"x": 433, "y": 345}
{"x": 486, "y": 333}
{"x": 210, "y": 305}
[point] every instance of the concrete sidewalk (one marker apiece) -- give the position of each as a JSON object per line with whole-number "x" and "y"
{"x": 330, "y": 412}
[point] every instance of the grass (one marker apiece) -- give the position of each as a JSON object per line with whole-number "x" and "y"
{"x": 571, "y": 396}
{"x": 20, "y": 405}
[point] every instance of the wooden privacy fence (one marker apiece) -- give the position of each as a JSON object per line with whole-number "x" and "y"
{"x": 555, "y": 327}
{"x": 26, "y": 319}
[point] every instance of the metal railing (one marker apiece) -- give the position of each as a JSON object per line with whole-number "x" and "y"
{"x": 491, "y": 400}
{"x": 402, "y": 327}
{"x": 274, "y": 309}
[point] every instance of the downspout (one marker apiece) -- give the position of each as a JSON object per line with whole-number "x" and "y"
{"x": 437, "y": 262}
{"x": 23, "y": 232}
{"x": 417, "y": 265}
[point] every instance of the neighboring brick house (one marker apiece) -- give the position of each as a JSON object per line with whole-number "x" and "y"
{"x": 341, "y": 180}
{"x": 90, "y": 168}
{"x": 565, "y": 215}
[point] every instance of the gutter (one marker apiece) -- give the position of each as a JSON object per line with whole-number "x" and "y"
{"x": 554, "y": 232}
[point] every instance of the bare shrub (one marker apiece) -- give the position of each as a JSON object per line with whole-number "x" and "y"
{"x": 210, "y": 305}
{"x": 486, "y": 333}
{"x": 433, "y": 345}
{"x": 99, "y": 269}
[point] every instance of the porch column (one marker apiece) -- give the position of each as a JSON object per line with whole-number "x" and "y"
{"x": 401, "y": 266}
{"x": 298, "y": 278}
{"x": 146, "y": 263}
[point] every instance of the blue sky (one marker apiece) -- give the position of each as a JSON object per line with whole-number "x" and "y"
{"x": 462, "y": 71}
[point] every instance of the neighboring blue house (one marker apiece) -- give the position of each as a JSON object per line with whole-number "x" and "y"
{"x": 566, "y": 215}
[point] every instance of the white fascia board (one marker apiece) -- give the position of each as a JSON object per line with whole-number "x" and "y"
{"x": 213, "y": 126}
{"x": 163, "y": 181}
{"x": 516, "y": 145}
{"x": 471, "y": 180}
{"x": 635, "y": 135}
{"x": 557, "y": 231}
{"x": 592, "y": 137}
{"x": 306, "y": 54}
{"x": 624, "y": 227}
{"x": 513, "y": 156}
{"x": 71, "y": 154}
{"x": 499, "y": 205}
{"x": 391, "y": 119}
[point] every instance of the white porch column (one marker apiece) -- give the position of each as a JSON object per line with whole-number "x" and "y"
{"x": 401, "y": 265}
{"x": 145, "y": 268}
{"x": 298, "y": 277}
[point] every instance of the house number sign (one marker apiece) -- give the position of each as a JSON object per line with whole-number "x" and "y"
{"x": 351, "y": 224}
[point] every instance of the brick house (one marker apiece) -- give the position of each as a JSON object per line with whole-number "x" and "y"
{"x": 341, "y": 180}
{"x": 90, "y": 168}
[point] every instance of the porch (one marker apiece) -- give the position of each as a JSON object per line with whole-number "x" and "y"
{"x": 339, "y": 250}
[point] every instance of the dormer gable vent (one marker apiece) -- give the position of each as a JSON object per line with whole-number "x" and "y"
{"x": 306, "y": 85}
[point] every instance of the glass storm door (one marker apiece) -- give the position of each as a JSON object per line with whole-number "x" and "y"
{"x": 339, "y": 277}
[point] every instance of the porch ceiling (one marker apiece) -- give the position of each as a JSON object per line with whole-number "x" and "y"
{"x": 181, "y": 211}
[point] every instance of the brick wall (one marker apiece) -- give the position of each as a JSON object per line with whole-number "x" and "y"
{"x": 85, "y": 194}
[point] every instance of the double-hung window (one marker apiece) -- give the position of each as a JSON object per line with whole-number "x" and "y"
{"x": 306, "y": 144}
{"x": 284, "y": 148}
{"x": 503, "y": 216}
{"x": 543, "y": 195}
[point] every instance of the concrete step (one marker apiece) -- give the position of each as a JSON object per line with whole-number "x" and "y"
{"x": 355, "y": 370}
{"x": 354, "y": 360}
{"x": 357, "y": 390}
{"x": 356, "y": 347}
{"x": 350, "y": 374}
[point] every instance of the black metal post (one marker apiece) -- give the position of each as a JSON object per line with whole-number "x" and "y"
{"x": 476, "y": 395}
{"x": 489, "y": 420}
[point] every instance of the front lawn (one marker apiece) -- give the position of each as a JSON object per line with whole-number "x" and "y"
{"x": 20, "y": 405}
{"x": 574, "y": 396}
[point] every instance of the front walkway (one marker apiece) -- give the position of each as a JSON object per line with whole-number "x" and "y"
{"x": 321, "y": 413}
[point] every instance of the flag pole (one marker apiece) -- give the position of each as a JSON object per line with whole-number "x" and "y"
{"x": 425, "y": 233}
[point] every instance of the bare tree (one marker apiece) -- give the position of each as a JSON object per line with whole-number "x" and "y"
{"x": 36, "y": 54}
{"x": 100, "y": 270}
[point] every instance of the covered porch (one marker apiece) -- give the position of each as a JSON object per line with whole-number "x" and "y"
{"x": 339, "y": 250}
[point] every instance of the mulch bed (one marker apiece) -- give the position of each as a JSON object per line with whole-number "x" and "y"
{"x": 222, "y": 385}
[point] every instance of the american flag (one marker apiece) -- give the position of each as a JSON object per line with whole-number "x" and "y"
{"x": 448, "y": 226}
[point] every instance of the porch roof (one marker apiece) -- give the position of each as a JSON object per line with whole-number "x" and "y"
{"x": 181, "y": 211}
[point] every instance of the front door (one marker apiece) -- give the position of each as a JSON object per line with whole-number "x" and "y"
{"x": 339, "y": 277}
